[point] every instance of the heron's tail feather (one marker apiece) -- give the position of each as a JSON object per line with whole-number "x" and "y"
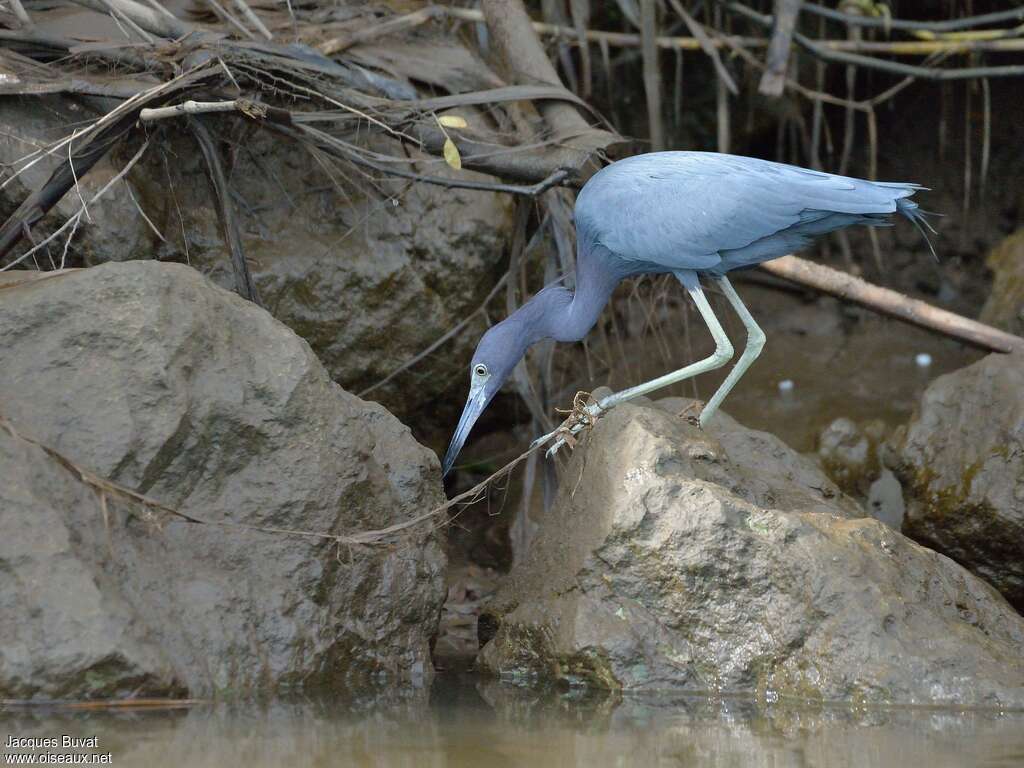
{"x": 916, "y": 216}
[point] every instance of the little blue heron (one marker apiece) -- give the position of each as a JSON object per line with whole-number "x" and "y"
{"x": 691, "y": 214}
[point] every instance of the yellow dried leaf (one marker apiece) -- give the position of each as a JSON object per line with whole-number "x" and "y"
{"x": 451, "y": 155}
{"x": 453, "y": 121}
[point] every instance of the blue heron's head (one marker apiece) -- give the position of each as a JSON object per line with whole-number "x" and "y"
{"x": 497, "y": 354}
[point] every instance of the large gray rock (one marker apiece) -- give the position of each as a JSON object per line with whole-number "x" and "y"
{"x": 659, "y": 566}
{"x": 151, "y": 376}
{"x": 961, "y": 462}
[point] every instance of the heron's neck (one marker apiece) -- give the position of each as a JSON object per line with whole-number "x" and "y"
{"x": 563, "y": 315}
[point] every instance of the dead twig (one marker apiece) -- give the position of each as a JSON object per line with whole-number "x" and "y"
{"x": 450, "y": 334}
{"x": 331, "y": 145}
{"x": 652, "y": 73}
{"x": 610, "y": 39}
{"x": 253, "y": 19}
{"x": 341, "y": 43}
{"x": 248, "y": 108}
{"x": 365, "y": 538}
{"x": 514, "y": 37}
{"x": 707, "y": 45}
{"x": 693, "y": 42}
{"x": 160, "y": 24}
{"x": 225, "y": 15}
{"x": 950, "y": 25}
{"x": 120, "y": 16}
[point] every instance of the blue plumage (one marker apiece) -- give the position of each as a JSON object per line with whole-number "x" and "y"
{"x": 713, "y": 213}
{"x": 691, "y": 214}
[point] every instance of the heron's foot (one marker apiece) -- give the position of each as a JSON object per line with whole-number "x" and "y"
{"x": 578, "y": 420}
{"x": 705, "y": 417}
{"x": 693, "y": 413}
{"x": 581, "y": 416}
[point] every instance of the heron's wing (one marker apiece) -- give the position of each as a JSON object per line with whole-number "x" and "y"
{"x": 683, "y": 209}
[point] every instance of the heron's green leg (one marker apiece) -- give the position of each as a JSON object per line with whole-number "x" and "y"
{"x": 722, "y": 354}
{"x": 755, "y": 343}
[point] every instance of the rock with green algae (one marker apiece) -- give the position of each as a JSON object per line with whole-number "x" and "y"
{"x": 1004, "y": 307}
{"x": 961, "y": 462}
{"x": 849, "y": 454}
{"x": 677, "y": 559}
{"x": 150, "y": 375}
{"x": 369, "y": 280}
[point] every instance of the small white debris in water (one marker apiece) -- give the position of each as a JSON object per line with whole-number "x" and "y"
{"x": 786, "y": 385}
{"x": 923, "y": 360}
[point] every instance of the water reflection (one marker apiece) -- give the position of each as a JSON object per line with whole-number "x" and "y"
{"x": 467, "y": 722}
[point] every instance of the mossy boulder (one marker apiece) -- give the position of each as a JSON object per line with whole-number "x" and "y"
{"x": 961, "y": 463}
{"x": 680, "y": 559}
{"x": 849, "y": 454}
{"x": 369, "y": 274}
{"x": 1004, "y": 307}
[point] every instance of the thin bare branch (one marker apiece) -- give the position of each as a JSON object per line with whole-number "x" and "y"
{"x": 20, "y": 14}
{"x": 967, "y": 22}
{"x": 450, "y": 334}
{"x": 253, "y": 19}
{"x": 652, "y": 73}
{"x": 868, "y": 62}
{"x": 708, "y": 45}
{"x": 247, "y": 108}
{"x": 892, "y": 303}
{"x": 777, "y": 60}
{"x": 153, "y": 21}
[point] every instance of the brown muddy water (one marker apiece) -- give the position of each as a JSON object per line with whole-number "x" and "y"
{"x": 838, "y": 360}
{"x": 463, "y": 721}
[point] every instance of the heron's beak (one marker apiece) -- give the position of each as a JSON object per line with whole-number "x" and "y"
{"x": 475, "y": 405}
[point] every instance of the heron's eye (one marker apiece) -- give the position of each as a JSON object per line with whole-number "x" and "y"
{"x": 480, "y": 369}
